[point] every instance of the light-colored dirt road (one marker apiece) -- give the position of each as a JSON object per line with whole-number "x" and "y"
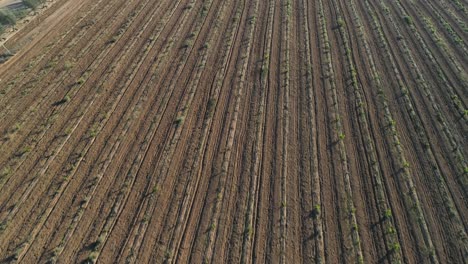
{"x": 6, "y": 3}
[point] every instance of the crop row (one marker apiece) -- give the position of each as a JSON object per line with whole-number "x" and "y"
{"x": 74, "y": 124}
{"x": 385, "y": 212}
{"x": 338, "y": 136}
{"x": 254, "y": 187}
{"x": 316, "y": 213}
{"x": 97, "y": 127}
{"x": 122, "y": 197}
{"x": 37, "y": 136}
{"x": 448, "y": 135}
{"x": 404, "y": 91}
{"x": 51, "y": 113}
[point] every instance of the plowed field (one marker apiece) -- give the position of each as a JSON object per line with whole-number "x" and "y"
{"x": 236, "y": 131}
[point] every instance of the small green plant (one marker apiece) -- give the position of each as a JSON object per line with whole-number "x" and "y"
{"x": 219, "y": 196}
{"x": 98, "y": 242}
{"x": 340, "y": 23}
{"x": 93, "y": 133}
{"x": 51, "y": 64}
{"x": 65, "y": 178}
{"x": 113, "y": 39}
{"x": 204, "y": 11}
{"x": 145, "y": 219}
{"x": 191, "y": 35}
{"x": 248, "y": 230}
{"x": 67, "y": 65}
{"x": 386, "y": 10}
{"x": 16, "y": 127}
{"x": 66, "y": 99}
{"x": 179, "y": 120}
{"x": 80, "y": 81}
{"x": 388, "y": 214}
{"x": 92, "y": 258}
{"x": 210, "y": 107}
{"x": 94, "y": 130}
{"x": 283, "y": 204}
{"x": 406, "y": 165}
{"x": 167, "y": 255}
{"x": 212, "y": 226}
{"x": 155, "y": 189}
{"x": 17, "y": 252}
{"x": 404, "y": 91}
{"x": 341, "y": 136}
{"x": 428, "y": 252}
{"x": 5, "y": 172}
{"x": 395, "y": 247}
{"x": 187, "y": 43}
{"x": 24, "y": 150}
{"x": 408, "y": 20}
{"x": 68, "y": 131}
{"x": 316, "y": 211}
{"x": 206, "y": 46}
{"x": 361, "y": 260}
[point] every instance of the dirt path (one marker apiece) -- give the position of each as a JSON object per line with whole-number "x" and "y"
{"x": 9, "y": 3}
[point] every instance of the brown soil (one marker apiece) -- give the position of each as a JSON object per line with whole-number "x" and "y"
{"x": 280, "y": 131}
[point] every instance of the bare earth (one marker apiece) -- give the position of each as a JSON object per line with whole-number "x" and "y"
{"x": 227, "y": 131}
{"x": 6, "y": 3}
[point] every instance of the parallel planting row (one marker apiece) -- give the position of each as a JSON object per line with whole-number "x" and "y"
{"x": 282, "y": 131}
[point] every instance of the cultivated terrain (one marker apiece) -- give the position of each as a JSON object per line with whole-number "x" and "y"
{"x": 236, "y": 131}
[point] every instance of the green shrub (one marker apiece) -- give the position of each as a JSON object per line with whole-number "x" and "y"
{"x": 341, "y": 136}
{"x": 66, "y": 99}
{"x": 31, "y": 3}
{"x": 179, "y": 120}
{"x": 210, "y": 107}
{"x": 316, "y": 211}
{"x": 7, "y": 17}
{"x": 68, "y": 65}
{"x": 388, "y": 213}
{"x": 406, "y": 165}
{"x": 5, "y": 172}
{"x": 340, "y": 23}
{"x": 408, "y": 20}
{"x": 394, "y": 247}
